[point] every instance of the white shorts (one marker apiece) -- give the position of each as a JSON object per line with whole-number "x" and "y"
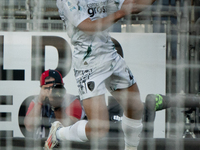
{"x": 110, "y": 76}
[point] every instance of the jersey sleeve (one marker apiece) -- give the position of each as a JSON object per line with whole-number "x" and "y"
{"x": 120, "y": 2}
{"x": 72, "y": 10}
{"x": 74, "y": 109}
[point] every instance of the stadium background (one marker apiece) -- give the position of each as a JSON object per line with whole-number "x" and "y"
{"x": 176, "y": 21}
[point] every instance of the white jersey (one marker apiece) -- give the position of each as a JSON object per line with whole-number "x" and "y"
{"x": 89, "y": 50}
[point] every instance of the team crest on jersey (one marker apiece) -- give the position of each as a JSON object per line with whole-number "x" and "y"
{"x": 91, "y": 85}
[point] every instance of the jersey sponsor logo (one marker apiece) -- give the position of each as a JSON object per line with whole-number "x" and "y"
{"x": 95, "y": 8}
{"x": 84, "y": 76}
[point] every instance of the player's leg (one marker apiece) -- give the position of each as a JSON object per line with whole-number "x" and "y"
{"x": 124, "y": 89}
{"x": 91, "y": 90}
{"x": 97, "y": 114}
{"x": 130, "y": 101}
{"x": 96, "y": 126}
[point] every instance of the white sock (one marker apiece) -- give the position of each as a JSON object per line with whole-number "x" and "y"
{"x": 75, "y": 132}
{"x": 132, "y": 129}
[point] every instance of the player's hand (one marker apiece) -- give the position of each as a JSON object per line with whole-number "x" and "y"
{"x": 44, "y": 92}
{"x": 129, "y": 6}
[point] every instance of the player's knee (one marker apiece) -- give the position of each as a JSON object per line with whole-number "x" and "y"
{"x": 135, "y": 111}
{"x": 139, "y": 107}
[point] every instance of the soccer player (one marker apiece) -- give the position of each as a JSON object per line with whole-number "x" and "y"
{"x": 52, "y": 104}
{"x": 98, "y": 68}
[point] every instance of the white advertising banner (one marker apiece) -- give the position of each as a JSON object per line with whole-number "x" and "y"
{"x": 144, "y": 53}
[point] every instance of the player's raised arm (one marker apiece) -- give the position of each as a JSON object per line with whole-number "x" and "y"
{"x": 140, "y": 5}
{"x": 101, "y": 24}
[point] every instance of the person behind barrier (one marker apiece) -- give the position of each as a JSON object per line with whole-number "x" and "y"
{"x": 53, "y": 103}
